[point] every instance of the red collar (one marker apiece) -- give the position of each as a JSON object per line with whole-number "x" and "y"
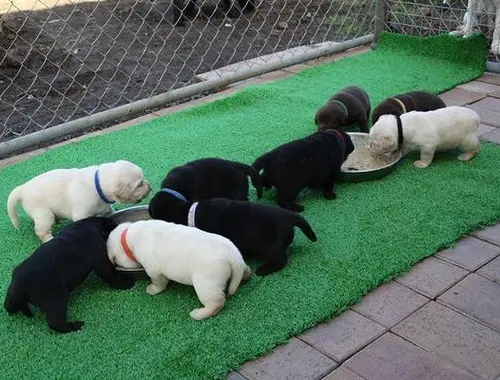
{"x": 125, "y": 246}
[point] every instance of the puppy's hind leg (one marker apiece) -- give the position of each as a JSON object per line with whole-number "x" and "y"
{"x": 426, "y": 157}
{"x": 275, "y": 263}
{"x": 211, "y": 294}
{"x": 44, "y": 220}
{"x": 329, "y": 186}
{"x": 471, "y": 148}
{"x": 55, "y": 308}
{"x": 158, "y": 285}
{"x": 286, "y": 196}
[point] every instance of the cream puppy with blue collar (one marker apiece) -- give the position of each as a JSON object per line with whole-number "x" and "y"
{"x": 174, "y": 252}
{"x": 77, "y": 194}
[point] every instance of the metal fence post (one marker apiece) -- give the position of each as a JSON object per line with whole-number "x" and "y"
{"x": 380, "y": 19}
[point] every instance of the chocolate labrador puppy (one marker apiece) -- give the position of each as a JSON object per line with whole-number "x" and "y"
{"x": 349, "y": 106}
{"x": 409, "y": 101}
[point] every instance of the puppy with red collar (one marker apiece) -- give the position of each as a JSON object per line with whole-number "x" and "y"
{"x": 189, "y": 256}
{"x": 347, "y": 107}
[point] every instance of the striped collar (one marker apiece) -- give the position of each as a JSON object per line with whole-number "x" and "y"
{"x": 192, "y": 215}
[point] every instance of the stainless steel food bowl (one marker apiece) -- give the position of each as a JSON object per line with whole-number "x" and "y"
{"x": 132, "y": 214}
{"x": 361, "y": 139}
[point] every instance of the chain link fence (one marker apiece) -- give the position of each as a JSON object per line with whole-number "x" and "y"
{"x": 62, "y": 61}
{"x": 426, "y": 18}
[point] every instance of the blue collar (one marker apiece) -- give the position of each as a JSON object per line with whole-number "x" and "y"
{"x": 99, "y": 189}
{"x": 174, "y": 193}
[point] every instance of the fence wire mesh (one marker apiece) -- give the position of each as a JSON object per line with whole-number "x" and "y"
{"x": 426, "y": 18}
{"x": 61, "y": 60}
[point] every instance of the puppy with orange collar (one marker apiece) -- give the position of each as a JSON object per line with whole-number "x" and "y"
{"x": 189, "y": 256}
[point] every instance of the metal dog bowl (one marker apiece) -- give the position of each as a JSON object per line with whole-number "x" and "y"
{"x": 132, "y": 214}
{"x": 361, "y": 139}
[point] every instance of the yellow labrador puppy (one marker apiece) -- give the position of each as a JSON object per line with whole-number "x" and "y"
{"x": 427, "y": 132}
{"x": 77, "y": 194}
{"x": 187, "y": 255}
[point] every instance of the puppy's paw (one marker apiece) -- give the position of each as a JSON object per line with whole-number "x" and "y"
{"x": 466, "y": 156}
{"x": 330, "y": 196}
{"x": 124, "y": 283}
{"x": 421, "y": 164}
{"x": 76, "y": 325}
{"x": 264, "y": 270}
{"x": 203, "y": 313}
{"x": 46, "y": 237}
{"x": 153, "y": 289}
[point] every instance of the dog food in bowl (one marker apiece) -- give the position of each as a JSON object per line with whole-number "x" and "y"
{"x": 132, "y": 214}
{"x": 364, "y": 165}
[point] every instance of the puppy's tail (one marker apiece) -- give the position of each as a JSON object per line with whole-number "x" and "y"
{"x": 12, "y": 201}
{"x": 239, "y": 271}
{"x": 306, "y": 228}
{"x": 254, "y": 177}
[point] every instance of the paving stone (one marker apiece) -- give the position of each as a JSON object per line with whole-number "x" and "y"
{"x": 293, "y": 361}
{"x": 487, "y": 116}
{"x": 489, "y": 103}
{"x": 495, "y": 94}
{"x": 235, "y": 376}
{"x": 493, "y": 136}
{"x": 454, "y": 337}
{"x": 490, "y": 234}
{"x": 431, "y": 277}
{"x": 389, "y": 304}
{"x": 483, "y": 129}
{"x": 343, "y": 373}
{"x": 490, "y": 78}
{"x": 470, "y": 253}
{"x": 477, "y": 297}
{"x": 343, "y": 336}
{"x": 481, "y": 87}
{"x": 460, "y": 97}
{"x": 491, "y": 270}
{"x": 393, "y": 358}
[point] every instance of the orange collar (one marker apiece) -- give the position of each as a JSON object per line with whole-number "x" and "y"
{"x": 125, "y": 246}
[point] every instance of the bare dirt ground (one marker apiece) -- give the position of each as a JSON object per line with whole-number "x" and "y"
{"x": 64, "y": 59}
{"x": 70, "y": 61}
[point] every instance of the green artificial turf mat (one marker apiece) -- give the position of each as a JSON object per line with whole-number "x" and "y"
{"x": 371, "y": 233}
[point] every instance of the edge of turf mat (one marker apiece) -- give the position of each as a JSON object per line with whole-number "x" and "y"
{"x": 130, "y": 334}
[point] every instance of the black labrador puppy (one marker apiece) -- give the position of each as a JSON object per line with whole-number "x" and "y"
{"x": 349, "y": 106}
{"x": 189, "y": 11}
{"x": 57, "y": 267}
{"x": 259, "y": 231}
{"x": 313, "y": 161}
{"x": 409, "y": 101}
{"x": 212, "y": 178}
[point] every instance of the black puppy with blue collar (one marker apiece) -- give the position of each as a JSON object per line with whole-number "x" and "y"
{"x": 259, "y": 231}
{"x": 349, "y": 106}
{"x": 213, "y": 178}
